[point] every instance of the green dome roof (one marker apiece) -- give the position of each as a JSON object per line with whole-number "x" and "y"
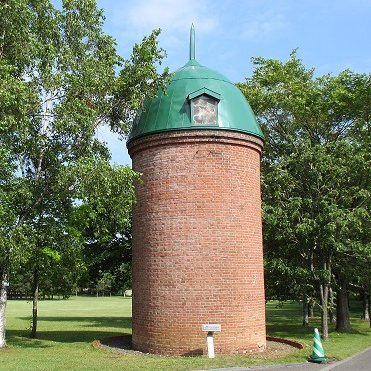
{"x": 173, "y": 110}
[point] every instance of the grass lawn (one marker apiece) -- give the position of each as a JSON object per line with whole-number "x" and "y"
{"x": 67, "y": 327}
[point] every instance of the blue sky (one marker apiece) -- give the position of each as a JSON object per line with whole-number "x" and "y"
{"x": 331, "y": 35}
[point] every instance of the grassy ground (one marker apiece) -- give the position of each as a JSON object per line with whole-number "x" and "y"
{"x": 67, "y": 328}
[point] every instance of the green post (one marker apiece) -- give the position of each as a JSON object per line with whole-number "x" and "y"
{"x": 192, "y": 44}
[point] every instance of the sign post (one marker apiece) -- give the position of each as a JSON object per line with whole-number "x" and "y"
{"x": 210, "y": 328}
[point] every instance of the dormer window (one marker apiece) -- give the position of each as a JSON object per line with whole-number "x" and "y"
{"x": 204, "y": 107}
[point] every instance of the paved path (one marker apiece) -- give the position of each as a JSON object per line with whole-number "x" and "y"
{"x": 359, "y": 362}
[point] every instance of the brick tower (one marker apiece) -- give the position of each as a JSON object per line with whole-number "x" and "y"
{"x": 197, "y": 232}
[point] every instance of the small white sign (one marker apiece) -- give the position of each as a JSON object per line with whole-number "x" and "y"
{"x": 212, "y": 327}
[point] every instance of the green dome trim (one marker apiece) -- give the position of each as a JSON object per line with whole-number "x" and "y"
{"x": 172, "y": 110}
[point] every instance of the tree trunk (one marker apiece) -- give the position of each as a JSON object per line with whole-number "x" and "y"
{"x": 3, "y": 299}
{"x": 324, "y": 289}
{"x": 305, "y": 310}
{"x": 35, "y": 299}
{"x": 342, "y": 308}
{"x": 332, "y": 307}
{"x": 365, "y": 305}
{"x": 311, "y": 308}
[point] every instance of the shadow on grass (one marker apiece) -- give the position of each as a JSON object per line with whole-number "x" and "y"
{"x": 20, "y": 339}
{"x": 72, "y": 330}
{"x": 285, "y": 321}
{"x": 116, "y": 322}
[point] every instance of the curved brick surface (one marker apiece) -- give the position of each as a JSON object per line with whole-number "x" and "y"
{"x": 197, "y": 243}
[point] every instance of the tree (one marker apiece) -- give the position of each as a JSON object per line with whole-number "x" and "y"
{"x": 104, "y": 283}
{"x": 16, "y": 98}
{"x": 7, "y": 220}
{"x": 315, "y": 197}
{"x": 103, "y": 218}
{"x": 60, "y": 84}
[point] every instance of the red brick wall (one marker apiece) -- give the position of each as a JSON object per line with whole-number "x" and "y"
{"x": 197, "y": 242}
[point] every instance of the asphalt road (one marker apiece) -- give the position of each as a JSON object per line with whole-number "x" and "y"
{"x": 359, "y": 362}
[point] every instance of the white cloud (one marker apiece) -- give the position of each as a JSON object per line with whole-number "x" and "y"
{"x": 169, "y": 15}
{"x": 263, "y": 27}
{"x": 128, "y": 21}
{"x": 221, "y": 27}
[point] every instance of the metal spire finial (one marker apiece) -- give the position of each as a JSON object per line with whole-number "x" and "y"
{"x": 192, "y": 44}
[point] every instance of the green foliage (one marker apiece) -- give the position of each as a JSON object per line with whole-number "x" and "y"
{"x": 138, "y": 80}
{"x": 7, "y": 216}
{"x": 316, "y": 189}
{"x": 106, "y": 193}
{"x": 104, "y": 283}
{"x": 103, "y": 218}
{"x": 60, "y": 79}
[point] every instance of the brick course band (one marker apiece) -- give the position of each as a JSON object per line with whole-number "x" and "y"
{"x": 186, "y": 136}
{"x": 197, "y": 242}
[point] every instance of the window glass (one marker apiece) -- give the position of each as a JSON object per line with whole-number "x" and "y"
{"x": 204, "y": 110}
